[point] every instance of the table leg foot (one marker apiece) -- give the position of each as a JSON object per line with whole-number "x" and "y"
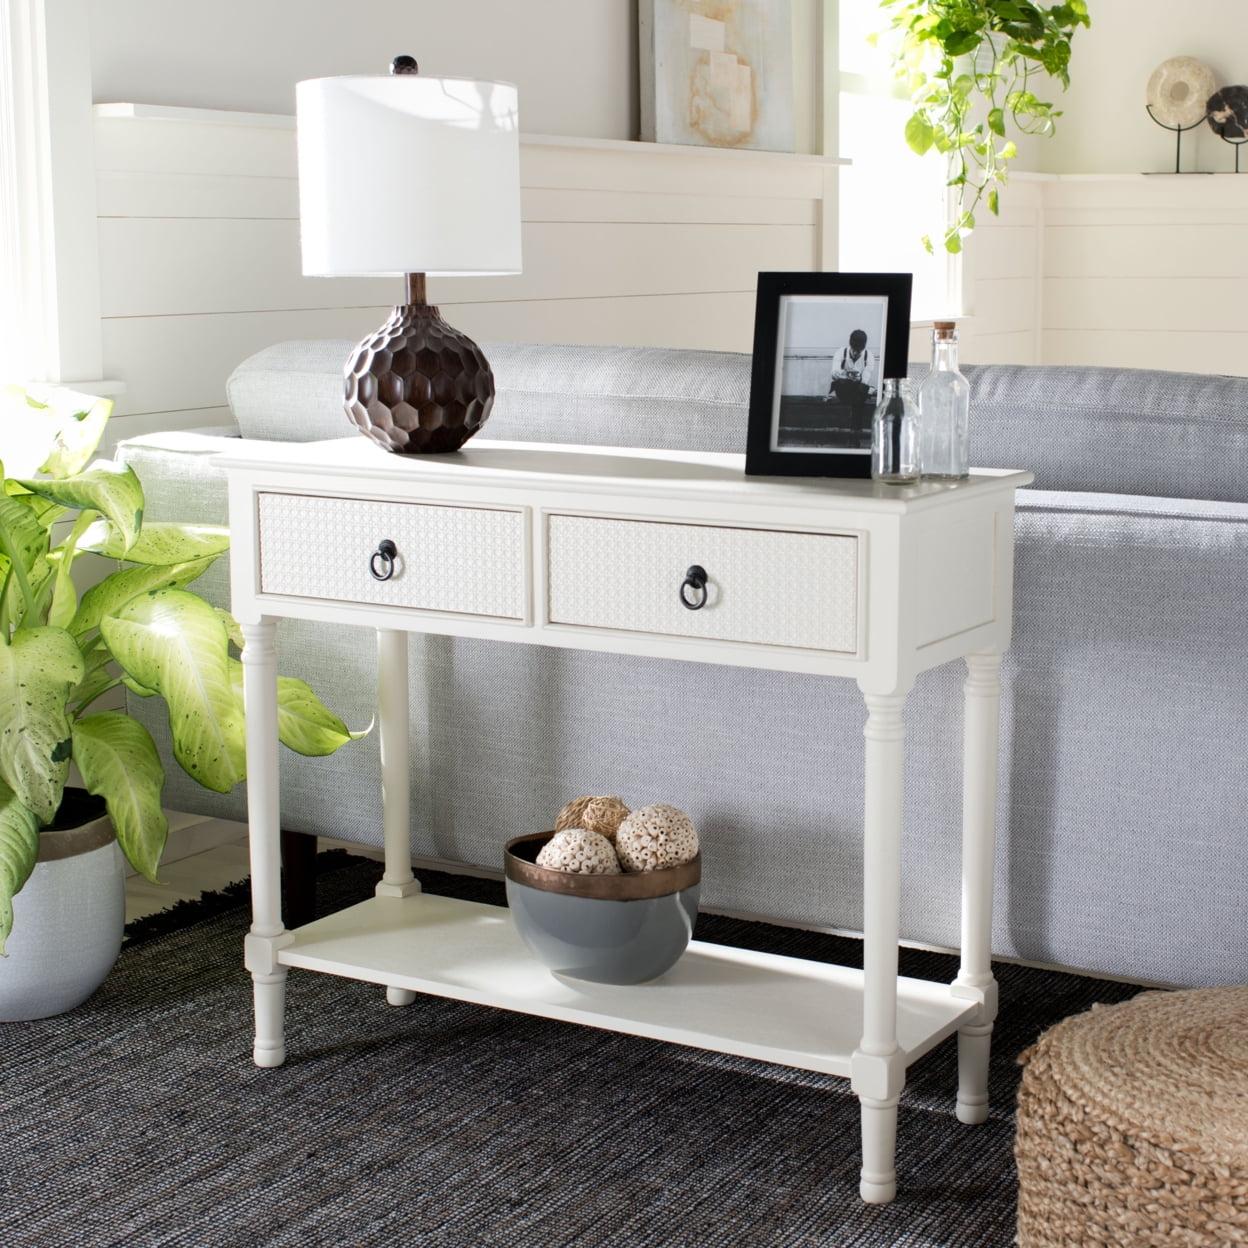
{"x": 399, "y": 996}
{"x": 270, "y": 998}
{"x": 974, "y": 1045}
{"x": 879, "y": 1147}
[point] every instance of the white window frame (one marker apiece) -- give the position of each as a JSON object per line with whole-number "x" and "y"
{"x": 49, "y": 261}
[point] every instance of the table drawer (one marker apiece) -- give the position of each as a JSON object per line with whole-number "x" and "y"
{"x": 466, "y": 560}
{"x": 768, "y": 587}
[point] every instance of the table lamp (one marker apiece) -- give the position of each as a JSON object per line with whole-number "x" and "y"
{"x": 409, "y": 175}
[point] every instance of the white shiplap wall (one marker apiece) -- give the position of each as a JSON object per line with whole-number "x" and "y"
{"x": 1118, "y": 271}
{"x": 625, "y": 243}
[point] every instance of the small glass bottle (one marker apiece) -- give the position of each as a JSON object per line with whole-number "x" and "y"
{"x": 895, "y": 435}
{"x": 945, "y": 410}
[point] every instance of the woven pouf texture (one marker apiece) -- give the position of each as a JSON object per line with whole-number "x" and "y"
{"x": 1133, "y": 1125}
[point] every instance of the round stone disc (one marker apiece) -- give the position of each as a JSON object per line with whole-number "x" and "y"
{"x": 1178, "y": 89}
{"x": 1228, "y": 113}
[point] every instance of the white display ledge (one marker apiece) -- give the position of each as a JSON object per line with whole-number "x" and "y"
{"x": 284, "y": 121}
{"x": 758, "y": 1005}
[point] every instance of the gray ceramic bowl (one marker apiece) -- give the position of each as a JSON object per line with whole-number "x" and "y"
{"x": 609, "y": 929}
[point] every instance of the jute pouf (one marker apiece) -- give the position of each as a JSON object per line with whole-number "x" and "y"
{"x": 1133, "y": 1125}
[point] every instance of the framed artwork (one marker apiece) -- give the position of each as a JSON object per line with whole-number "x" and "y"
{"x": 823, "y": 343}
{"x": 717, "y": 73}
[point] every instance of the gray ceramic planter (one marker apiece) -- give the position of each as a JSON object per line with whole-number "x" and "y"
{"x": 67, "y": 922}
{"x": 609, "y": 929}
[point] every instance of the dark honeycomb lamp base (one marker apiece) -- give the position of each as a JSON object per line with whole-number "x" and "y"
{"x": 418, "y": 386}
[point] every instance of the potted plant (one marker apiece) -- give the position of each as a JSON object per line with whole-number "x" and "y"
{"x": 60, "y": 654}
{"x": 970, "y": 67}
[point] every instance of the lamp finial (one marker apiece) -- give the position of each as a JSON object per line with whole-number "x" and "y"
{"x": 404, "y": 64}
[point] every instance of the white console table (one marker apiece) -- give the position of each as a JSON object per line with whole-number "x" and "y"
{"x": 588, "y": 548}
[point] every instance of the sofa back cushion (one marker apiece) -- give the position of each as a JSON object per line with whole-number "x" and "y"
{"x": 1125, "y": 431}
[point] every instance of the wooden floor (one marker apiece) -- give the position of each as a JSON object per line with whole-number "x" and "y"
{"x": 203, "y": 855}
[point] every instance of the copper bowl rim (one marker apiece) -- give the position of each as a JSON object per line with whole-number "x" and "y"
{"x": 628, "y": 886}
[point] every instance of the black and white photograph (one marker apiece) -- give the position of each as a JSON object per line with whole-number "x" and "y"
{"x": 824, "y": 342}
{"x": 832, "y": 351}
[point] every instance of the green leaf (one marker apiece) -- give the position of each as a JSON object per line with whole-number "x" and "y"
{"x": 232, "y": 628}
{"x": 112, "y": 593}
{"x": 19, "y": 847}
{"x": 118, "y": 761}
{"x": 994, "y": 203}
{"x": 139, "y": 690}
{"x": 50, "y": 429}
{"x": 23, "y": 542}
{"x": 919, "y": 134}
{"x": 109, "y": 488}
{"x": 160, "y": 542}
{"x": 173, "y": 642}
{"x": 953, "y": 242}
{"x": 37, "y": 670}
{"x": 996, "y": 121}
{"x": 304, "y": 723}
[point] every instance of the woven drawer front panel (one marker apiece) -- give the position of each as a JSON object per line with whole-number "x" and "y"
{"x": 768, "y": 587}
{"x": 466, "y": 560}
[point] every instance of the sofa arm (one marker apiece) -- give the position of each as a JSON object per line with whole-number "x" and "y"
{"x": 1127, "y": 761}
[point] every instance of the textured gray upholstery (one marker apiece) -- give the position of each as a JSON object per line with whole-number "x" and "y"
{"x": 1122, "y": 845}
{"x": 1129, "y": 431}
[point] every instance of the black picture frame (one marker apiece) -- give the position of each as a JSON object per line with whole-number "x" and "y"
{"x": 765, "y": 452}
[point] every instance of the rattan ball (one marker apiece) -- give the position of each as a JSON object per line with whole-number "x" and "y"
{"x": 579, "y": 851}
{"x": 655, "y": 837}
{"x": 595, "y": 814}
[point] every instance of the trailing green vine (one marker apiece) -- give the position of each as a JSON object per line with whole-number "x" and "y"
{"x": 970, "y": 67}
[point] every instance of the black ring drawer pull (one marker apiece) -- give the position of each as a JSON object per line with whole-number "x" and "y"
{"x": 386, "y": 551}
{"x": 695, "y": 580}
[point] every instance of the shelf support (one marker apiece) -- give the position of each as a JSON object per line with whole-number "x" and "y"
{"x": 878, "y": 1066}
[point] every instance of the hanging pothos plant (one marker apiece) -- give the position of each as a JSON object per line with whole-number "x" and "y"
{"x": 970, "y": 67}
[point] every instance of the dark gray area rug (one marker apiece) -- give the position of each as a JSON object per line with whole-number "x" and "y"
{"x": 139, "y": 1120}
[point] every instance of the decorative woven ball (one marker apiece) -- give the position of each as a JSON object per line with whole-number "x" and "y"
{"x": 579, "y": 851}
{"x": 654, "y": 837}
{"x": 1133, "y": 1125}
{"x": 595, "y": 814}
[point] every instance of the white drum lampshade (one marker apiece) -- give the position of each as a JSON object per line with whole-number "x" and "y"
{"x": 408, "y": 175}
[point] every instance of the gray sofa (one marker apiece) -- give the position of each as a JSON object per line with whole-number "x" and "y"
{"x": 1123, "y": 847}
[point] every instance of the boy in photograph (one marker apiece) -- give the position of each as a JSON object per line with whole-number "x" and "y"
{"x": 854, "y": 377}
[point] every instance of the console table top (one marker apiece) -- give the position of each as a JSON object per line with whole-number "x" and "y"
{"x": 608, "y": 469}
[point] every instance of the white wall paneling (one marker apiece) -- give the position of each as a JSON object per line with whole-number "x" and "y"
{"x": 1113, "y": 270}
{"x": 623, "y": 243}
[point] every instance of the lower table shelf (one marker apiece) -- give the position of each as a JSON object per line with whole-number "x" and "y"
{"x": 759, "y": 1005}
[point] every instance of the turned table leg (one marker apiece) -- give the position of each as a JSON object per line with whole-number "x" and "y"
{"x": 393, "y": 735}
{"x": 878, "y": 1066}
{"x": 982, "y": 700}
{"x": 267, "y": 934}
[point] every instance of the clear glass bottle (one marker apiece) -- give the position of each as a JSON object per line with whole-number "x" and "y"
{"x": 945, "y": 410}
{"x": 895, "y": 435}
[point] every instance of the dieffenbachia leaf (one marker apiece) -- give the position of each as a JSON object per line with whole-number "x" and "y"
{"x": 111, "y": 489}
{"x": 23, "y": 543}
{"x": 232, "y": 628}
{"x": 118, "y": 761}
{"x": 38, "y": 668}
{"x": 19, "y": 847}
{"x": 160, "y": 542}
{"x": 112, "y": 593}
{"x": 173, "y": 642}
{"x": 50, "y": 429}
{"x": 304, "y": 723}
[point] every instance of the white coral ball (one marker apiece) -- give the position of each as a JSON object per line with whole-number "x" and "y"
{"x": 579, "y": 851}
{"x": 654, "y": 837}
